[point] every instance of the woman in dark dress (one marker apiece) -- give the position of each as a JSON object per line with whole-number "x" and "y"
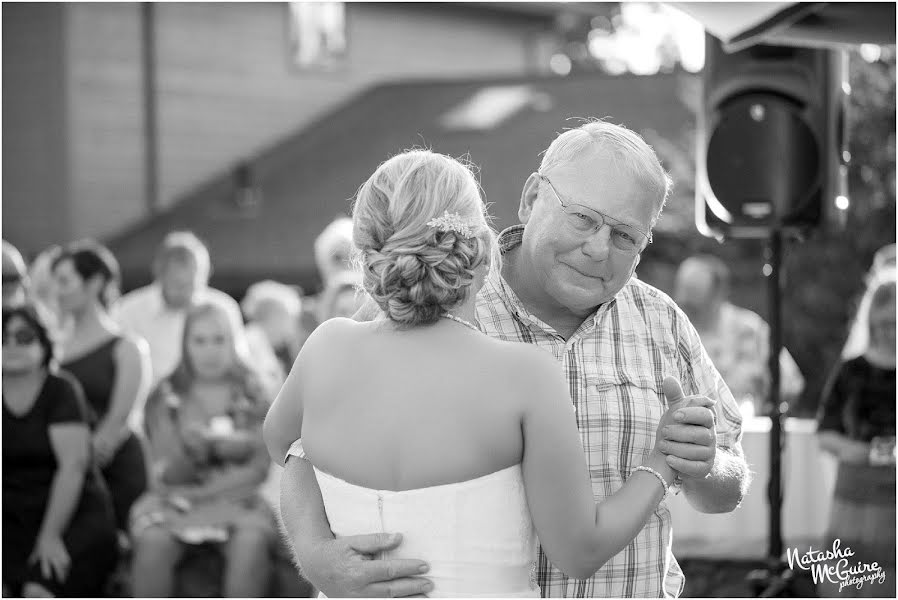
{"x": 856, "y": 423}
{"x": 113, "y": 369}
{"x": 58, "y": 531}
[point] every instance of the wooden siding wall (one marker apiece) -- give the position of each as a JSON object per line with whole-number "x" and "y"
{"x": 227, "y": 90}
{"x": 105, "y": 116}
{"x": 35, "y": 173}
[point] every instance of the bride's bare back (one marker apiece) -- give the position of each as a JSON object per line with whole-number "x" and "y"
{"x": 397, "y": 409}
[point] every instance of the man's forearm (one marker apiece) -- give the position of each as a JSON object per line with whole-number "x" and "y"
{"x": 303, "y": 518}
{"x": 724, "y": 488}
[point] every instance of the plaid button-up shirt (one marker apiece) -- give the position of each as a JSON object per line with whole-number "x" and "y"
{"x": 614, "y": 364}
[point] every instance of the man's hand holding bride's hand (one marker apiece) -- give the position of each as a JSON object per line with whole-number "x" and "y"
{"x": 687, "y": 433}
{"x": 349, "y": 568}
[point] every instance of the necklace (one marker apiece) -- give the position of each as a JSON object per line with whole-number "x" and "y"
{"x": 462, "y": 321}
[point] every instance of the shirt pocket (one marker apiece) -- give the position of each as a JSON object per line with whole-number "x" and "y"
{"x": 629, "y": 405}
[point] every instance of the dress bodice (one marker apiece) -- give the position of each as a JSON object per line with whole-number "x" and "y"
{"x": 476, "y": 535}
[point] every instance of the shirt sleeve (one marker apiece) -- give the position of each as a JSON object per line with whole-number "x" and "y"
{"x": 829, "y": 415}
{"x": 67, "y": 403}
{"x": 699, "y": 376}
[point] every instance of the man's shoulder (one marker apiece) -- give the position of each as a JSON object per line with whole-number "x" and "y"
{"x": 644, "y": 296}
{"x": 138, "y": 299}
{"x": 220, "y": 296}
{"x": 224, "y": 299}
{"x": 743, "y": 317}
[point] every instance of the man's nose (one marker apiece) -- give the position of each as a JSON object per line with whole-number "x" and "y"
{"x": 598, "y": 245}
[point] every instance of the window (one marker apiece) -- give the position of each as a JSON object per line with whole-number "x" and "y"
{"x": 317, "y": 34}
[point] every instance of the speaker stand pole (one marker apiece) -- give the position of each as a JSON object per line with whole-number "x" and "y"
{"x": 777, "y": 576}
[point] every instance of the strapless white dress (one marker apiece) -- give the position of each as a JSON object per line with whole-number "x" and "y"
{"x": 476, "y": 535}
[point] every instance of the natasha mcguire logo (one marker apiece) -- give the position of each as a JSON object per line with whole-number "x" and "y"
{"x": 836, "y": 566}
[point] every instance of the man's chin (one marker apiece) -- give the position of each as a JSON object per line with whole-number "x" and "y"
{"x": 578, "y": 299}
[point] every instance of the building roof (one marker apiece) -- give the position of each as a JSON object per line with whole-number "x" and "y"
{"x": 310, "y": 176}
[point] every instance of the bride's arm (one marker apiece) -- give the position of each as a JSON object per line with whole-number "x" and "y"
{"x": 283, "y": 423}
{"x": 577, "y": 535}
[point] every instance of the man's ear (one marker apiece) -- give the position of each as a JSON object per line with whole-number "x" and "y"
{"x": 528, "y": 198}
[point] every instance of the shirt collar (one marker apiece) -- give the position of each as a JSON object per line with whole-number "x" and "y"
{"x": 509, "y": 239}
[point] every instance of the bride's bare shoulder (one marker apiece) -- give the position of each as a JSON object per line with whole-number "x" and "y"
{"x": 329, "y": 335}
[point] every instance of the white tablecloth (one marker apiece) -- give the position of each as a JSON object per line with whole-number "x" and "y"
{"x": 808, "y": 481}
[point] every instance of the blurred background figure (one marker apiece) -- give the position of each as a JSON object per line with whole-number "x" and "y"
{"x": 341, "y": 297}
{"x": 272, "y": 310}
{"x": 203, "y": 423}
{"x": 333, "y": 256}
{"x": 112, "y": 367}
{"x": 884, "y": 258}
{"x": 15, "y": 276}
{"x": 736, "y": 338}
{"x": 156, "y": 312}
{"x": 333, "y": 249}
{"x": 859, "y": 334}
{"x": 58, "y": 528}
{"x": 856, "y": 423}
{"x": 43, "y": 290}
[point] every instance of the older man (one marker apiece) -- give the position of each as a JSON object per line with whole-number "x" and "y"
{"x": 567, "y": 285}
{"x": 156, "y": 312}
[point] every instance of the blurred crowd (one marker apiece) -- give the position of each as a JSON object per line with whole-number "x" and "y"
{"x": 132, "y": 423}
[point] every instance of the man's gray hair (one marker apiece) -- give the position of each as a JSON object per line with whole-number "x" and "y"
{"x": 625, "y": 146}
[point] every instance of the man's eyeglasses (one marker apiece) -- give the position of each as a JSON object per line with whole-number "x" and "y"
{"x": 588, "y": 221}
{"x": 22, "y": 337}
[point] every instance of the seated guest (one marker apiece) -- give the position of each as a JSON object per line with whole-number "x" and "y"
{"x": 333, "y": 249}
{"x": 203, "y": 423}
{"x": 156, "y": 312}
{"x": 333, "y": 256}
{"x": 341, "y": 296}
{"x": 112, "y": 367}
{"x": 272, "y": 312}
{"x": 856, "y": 423}
{"x": 58, "y": 528}
{"x": 737, "y": 339}
{"x": 43, "y": 290}
{"x": 15, "y": 276}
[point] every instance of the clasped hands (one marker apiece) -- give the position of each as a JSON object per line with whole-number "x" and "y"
{"x": 686, "y": 434}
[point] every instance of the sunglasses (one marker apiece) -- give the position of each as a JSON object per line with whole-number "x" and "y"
{"x": 22, "y": 337}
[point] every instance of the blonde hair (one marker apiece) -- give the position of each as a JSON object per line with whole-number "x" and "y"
{"x": 625, "y": 147}
{"x": 413, "y": 271}
{"x": 876, "y": 293}
{"x": 183, "y": 376}
{"x": 335, "y": 237}
{"x": 266, "y": 291}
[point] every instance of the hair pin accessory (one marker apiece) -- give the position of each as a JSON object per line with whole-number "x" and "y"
{"x": 451, "y": 222}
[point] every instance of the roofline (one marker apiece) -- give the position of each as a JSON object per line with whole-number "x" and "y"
{"x": 267, "y": 155}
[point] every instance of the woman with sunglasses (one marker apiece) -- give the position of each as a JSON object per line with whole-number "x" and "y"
{"x": 58, "y": 530}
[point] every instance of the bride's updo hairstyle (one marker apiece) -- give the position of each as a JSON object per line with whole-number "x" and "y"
{"x": 414, "y": 271}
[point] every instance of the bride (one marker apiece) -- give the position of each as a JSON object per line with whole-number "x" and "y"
{"x": 499, "y": 459}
